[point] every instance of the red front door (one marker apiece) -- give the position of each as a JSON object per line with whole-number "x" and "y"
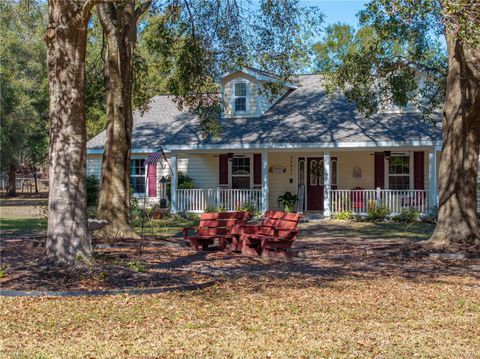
{"x": 315, "y": 184}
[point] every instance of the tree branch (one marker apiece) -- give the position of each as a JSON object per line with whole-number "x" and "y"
{"x": 87, "y": 8}
{"x": 142, "y": 8}
{"x": 104, "y": 17}
{"x": 192, "y": 20}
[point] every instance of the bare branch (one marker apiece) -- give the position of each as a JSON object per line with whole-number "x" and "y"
{"x": 87, "y": 8}
{"x": 142, "y": 8}
{"x": 104, "y": 17}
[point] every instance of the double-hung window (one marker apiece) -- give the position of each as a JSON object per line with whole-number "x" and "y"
{"x": 241, "y": 172}
{"x": 240, "y": 97}
{"x": 137, "y": 175}
{"x": 399, "y": 172}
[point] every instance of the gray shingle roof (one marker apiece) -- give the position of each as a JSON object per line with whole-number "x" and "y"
{"x": 305, "y": 115}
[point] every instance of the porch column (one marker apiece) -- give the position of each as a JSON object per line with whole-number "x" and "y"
{"x": 432, "y": 177}
{"x": 326, "y": 184}
{"x": 173, "y": 183}
{"x": 264, "y": 181}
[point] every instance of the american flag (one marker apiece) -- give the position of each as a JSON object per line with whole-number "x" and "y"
{"x": 153, "y": 158}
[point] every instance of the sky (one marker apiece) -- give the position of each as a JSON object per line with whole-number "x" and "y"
{"x": 338, "y": 10}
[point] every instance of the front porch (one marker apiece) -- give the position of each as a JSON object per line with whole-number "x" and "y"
{"x": 325, "y": 181}
{"x": 356, "y": 201}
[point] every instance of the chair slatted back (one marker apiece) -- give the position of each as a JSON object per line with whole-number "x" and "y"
{"x": 288, "y": 223}
{"x": 270, "y": 221}
{"x": 219, "y": 224}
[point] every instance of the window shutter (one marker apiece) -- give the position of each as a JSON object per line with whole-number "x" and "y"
{"x": 418, "y": 170}
{"x": 257, "y": 169}
{"x": 379, "y": 165}
{"x": 223, "y": 170}
{"x": 152, "y": 180}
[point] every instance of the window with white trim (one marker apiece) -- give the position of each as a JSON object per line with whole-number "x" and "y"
{"x": 240, "y": 97}
{"x": 399, "y": 172}
{"x": 137, "y": 175}
{"x": 241, "y": 172}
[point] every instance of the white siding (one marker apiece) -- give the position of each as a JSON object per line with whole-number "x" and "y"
{"x": 279, "y": 183}
{"x": 94, "y": 165}
{"x": 259, "y": 101}
{"x": 203, "y": 169}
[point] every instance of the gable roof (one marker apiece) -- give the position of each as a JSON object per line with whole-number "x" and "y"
{"x": 260, "y": 75}
{"x": 304, "y": 116}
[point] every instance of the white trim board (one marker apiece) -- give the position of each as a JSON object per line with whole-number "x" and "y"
{"x": 287, "y": 146}
{"x": 306, "y": 146}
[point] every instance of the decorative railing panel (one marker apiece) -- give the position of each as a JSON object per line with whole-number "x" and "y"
{"x": 360, "y": 201}
{"x": 198, "y": 200}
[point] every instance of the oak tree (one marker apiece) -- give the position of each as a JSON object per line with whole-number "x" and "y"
{"x": 66, "y": 39}
{"x": 396, "y": 47}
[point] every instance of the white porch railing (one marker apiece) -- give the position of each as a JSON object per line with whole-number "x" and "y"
{"x": 359, "y": 201}
{"x": 197, "y": 200}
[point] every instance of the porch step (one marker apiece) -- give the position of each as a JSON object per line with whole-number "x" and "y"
{"x": 307, "y": 217}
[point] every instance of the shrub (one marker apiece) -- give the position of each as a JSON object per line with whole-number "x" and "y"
{"x": 183, "y": 182}
{"x": 377, "y": 213}
{"x": 250, "y": 208}
{"x": 93, "y": 188}
{"x": 409, "y": 215}
{"x": 343, "y": 215}
{"x": 92, "y": 211}
{"x": 215, "y": 209}
{"x": 135, "y": 210}
{"x": 3, "y": 271}
{"x": 137, "y": 266}
{"x": 431, "y": 215}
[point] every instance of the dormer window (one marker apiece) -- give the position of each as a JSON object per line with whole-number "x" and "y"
{"x": 240, "y": 97}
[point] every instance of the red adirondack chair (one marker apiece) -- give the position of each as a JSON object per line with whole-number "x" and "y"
{"x": 214, "y": 226}
{"x": 273, "y": 237}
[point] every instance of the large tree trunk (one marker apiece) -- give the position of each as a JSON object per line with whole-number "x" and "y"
{"x": 457, "y": 215}
{"x": 66, "y": 40}
{"x": 12, "y": 179}
{"x": 119, "y": 23}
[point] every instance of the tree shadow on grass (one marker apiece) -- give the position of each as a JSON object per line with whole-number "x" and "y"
{"x": 324, "y": 255}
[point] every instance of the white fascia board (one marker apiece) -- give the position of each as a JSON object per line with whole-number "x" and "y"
{"x": 258, "y": 76}
{"x": 99, "y": 151}
{"x": 306, "y": 146}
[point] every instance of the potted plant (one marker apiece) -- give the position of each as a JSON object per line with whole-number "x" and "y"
{"x": 288, "y": 200}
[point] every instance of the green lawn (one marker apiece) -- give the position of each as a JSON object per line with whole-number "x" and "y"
{"x": 22, "y": 225}
{"x": 21, "y": 216}
{"x": 384, "y": 230}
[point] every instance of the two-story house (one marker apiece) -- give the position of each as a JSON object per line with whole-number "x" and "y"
{"x": 304, "y": 141}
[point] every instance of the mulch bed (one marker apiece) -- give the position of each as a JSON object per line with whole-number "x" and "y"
{"x": 153, "y": 263}
{"x": 120, "y": 265}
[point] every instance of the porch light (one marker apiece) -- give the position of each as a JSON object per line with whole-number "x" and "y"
{"x": 387, "y": 154}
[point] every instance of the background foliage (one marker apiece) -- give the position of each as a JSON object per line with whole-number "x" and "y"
{"x": 23, "y": 84}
